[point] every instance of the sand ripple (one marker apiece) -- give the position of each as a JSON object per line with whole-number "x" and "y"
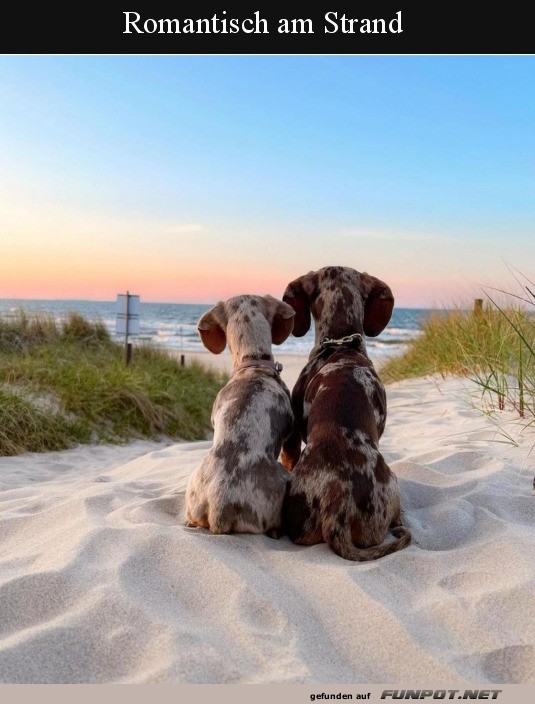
{"x": 101, "y": 582}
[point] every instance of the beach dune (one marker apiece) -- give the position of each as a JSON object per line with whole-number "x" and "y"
{"x": 101, "y": 582}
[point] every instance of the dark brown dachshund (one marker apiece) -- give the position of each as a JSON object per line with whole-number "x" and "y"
{"x": 342, "y": 491}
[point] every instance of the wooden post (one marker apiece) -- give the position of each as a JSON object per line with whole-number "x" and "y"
{"x": 182, "y": 357}
{"x": 127, "y": 316}
{"x": 127, "y": 345}
{"x": 478, "y": 306}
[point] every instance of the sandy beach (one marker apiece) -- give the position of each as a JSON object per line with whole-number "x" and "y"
{"x": 101, "y": 582}
{"x": 180, "y": 203}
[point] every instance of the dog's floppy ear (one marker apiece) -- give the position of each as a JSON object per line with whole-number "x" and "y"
{"x": 299, "y": 294}
{"x": 281, "y": 317}
{"x": 378, "y": 304}
{"x": 212, "y": 326}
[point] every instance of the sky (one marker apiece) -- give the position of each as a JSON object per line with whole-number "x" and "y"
{"x": 195, "y": 178}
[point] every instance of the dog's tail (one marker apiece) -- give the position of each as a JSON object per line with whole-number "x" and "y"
{"x": 338, "y": 537}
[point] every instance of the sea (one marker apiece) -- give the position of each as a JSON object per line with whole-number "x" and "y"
{"x": 174, "y": 325}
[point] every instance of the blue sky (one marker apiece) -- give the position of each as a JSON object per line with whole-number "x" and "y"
{"x": 194, "y": 178}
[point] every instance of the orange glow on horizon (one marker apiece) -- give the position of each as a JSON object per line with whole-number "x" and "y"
{"x": 152, "y": 281}
{"x": 183, "y": 284}
{"x": 83, "y": 258}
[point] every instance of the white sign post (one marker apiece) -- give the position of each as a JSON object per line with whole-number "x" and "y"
{"x": 127, "y": 320}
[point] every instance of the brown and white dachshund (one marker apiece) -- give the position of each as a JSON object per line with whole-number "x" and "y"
{"x": 240, "y": 485}
{"x": 342, "y": 491}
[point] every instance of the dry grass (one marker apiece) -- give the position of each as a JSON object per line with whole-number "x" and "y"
{"x": 494, "y": 346}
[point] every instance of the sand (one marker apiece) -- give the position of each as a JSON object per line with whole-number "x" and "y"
{"x": 101, "y": 582}
{"x": 291, "y": 363}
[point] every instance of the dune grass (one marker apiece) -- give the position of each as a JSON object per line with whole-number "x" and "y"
{"x": 67, "y": 383}
{"x": 493, "y": 345}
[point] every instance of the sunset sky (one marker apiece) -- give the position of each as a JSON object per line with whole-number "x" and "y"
{"x": 190, "y": 179}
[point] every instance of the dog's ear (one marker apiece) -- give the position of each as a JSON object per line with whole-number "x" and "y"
{"x": 281, "y": 317}
{"x": 378, "y": 304}
{"x": 212, "y": 329}
{"x": 299, "y": 295}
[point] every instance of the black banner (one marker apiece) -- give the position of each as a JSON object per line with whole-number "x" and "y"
{"x": 198, "y": 28}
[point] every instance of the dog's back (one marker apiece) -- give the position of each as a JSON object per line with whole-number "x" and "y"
{"x": 240, "y": 486}
{"x": 240, "y": 481}
{"x": 342, "y": 491}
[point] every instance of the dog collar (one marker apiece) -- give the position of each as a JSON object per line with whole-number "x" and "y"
{"x": 354, "y": 340}
{"x": 268, "y": 364}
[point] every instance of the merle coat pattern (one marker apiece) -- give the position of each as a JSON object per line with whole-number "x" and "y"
{"x": 342, "y": 491}
{"x": 240, "y": 485}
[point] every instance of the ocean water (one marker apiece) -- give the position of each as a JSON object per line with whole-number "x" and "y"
{"x": 174, "y": 325}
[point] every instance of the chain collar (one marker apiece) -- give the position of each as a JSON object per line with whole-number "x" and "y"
{"x": 354, "y": 340}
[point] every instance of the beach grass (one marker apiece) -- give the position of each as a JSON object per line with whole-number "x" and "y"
{"x": 67, "y": 383}
{"x": 493, "y": 344}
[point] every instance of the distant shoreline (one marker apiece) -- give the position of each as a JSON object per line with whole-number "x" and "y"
{"x": 173, "y": 327}
{"x": 145, "y": 301}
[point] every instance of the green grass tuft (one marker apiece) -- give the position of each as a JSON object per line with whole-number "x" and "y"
{"x": 25, "y": 428}
{"x": 494, "y": 346}
{"x": 77, "y": 328}
{"x": 67, "y": 383}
